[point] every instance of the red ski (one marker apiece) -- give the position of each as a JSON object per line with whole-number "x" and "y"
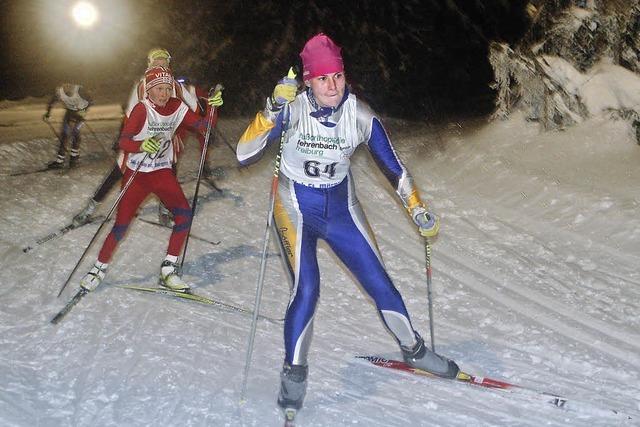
{"x": 462, "y": 376}
{"x": 491, "y": 383}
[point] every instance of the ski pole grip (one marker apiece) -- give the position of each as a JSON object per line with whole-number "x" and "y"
{"x": 217, "y": 88}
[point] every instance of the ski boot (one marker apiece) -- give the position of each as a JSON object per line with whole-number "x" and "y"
{"x": 85, "y": 216}
{"x": 73, "y": 161}
{"x": 419, "y": 356}
{"x": 293, "y": 387}
{"x": 56, "y": 164}
{"x": 94, "y": 277}
{"x": 164, "y": 216}
{"x": 170, "y": 277}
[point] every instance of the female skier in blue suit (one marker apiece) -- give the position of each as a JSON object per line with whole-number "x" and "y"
{"x": 316, "y": 199}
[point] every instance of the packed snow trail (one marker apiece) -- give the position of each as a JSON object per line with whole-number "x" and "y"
{"x": 535, "y": 281}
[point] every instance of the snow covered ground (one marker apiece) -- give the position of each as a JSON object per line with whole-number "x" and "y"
{"x": 535, "y": 281}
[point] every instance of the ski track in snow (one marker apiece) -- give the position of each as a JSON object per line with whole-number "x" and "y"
{"x": 539, "y": 289}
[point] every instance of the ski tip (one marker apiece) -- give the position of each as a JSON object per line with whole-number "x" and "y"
{"x": 290, "y": 417}
{"x": 463, "y": 376}
{"x": 56, "y": 319}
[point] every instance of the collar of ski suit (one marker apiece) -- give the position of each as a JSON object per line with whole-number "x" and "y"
{"x": 323, "y": 113}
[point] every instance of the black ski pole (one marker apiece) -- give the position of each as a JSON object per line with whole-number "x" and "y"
{"x": 427, "y": 252}
{"x": 194, "y": 203}
{"x": 263, "y": 260}
{"x": 97, "y": 139}
{"x": 233, "y": 150}
{"x": 106, "y": 219}
{"x": 52, "y": 129}
{"x": 226, "y": 141}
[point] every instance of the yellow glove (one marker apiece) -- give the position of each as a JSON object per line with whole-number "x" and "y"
{"x": 216, "y": 99}
{"x": 286, "y": 89}
{"x": 428, "y": 223}
{"x": 150, "y": 145}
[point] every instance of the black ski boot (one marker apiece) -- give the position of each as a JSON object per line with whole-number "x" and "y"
{"x": 85, "y": 216}
{"x": 293, "y": 386}
{"x": 73, "y": 161}
{"x": 55, "y": 165}
{"x": 422, "y": 358}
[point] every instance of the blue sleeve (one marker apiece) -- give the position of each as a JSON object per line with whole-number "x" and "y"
{"x": 276, "y": 131}
{"x": 383, "y": 153}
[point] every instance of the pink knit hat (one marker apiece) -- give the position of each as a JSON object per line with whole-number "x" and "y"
{"x": 320, "y": 56}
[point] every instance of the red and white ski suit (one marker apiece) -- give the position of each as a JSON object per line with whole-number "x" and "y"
{"x": 154, "y": 174}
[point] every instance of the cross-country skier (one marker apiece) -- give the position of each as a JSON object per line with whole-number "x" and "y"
{"x": 193, "y": 98}
{"x": 146, "y": 141}
{"x": 316, "y": 199}
{"x": 76, "y": 102}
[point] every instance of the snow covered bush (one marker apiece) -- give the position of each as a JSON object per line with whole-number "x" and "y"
{"x": 579, "y": 59}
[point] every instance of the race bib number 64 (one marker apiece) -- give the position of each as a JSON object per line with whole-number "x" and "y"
{"x": 314, "y": 169}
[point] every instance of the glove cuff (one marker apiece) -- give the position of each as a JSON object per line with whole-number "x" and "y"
{"x": 418, "y": 210}
{"x": 273, "y": 106}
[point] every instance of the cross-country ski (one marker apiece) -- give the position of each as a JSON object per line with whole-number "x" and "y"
{"x": 199, "y": 298}
{"x": 58, "y": 233}
{"x": 490, "y": 383}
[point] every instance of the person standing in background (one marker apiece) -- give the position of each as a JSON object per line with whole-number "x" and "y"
{"x": 76, "y": 102}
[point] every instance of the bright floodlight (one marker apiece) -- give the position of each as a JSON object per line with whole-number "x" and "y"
{"x": 85, "y": 14}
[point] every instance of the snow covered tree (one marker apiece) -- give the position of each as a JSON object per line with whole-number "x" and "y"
{"x": 571, "y": 50}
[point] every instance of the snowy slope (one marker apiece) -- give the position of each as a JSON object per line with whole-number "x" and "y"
{"x": 535, "y": 282}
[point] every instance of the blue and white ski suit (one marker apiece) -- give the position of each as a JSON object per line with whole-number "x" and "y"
{"x": 316, "y": 199}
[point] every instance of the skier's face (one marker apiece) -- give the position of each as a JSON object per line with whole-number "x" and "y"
{"x": 159, "y": 62}
{"x": 328, "y": 89}
{"x": 160, "y": 94}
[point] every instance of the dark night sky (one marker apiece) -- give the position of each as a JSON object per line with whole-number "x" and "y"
{"x": 406, "y": 57}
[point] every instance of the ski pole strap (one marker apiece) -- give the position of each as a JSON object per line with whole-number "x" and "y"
{"x": 218, "y": 88}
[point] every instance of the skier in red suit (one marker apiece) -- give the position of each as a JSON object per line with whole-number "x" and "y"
{"x": 146, "y": 140}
